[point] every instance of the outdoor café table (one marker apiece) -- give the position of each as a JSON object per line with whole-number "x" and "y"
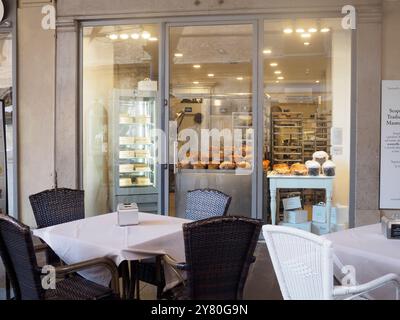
{"x": 101, "y": 236}
{"x": 370, "y": 252}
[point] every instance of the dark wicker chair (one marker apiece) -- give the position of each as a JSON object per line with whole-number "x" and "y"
{"x": 200, "y": 204}
{"x": 57, "y": 206}
{"x": 206, "y": 203}
{"x": 18, "y": 255}
{"x": 219, "y": 252}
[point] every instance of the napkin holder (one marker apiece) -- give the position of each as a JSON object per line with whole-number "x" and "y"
{"x": 128, "y": 214}
{"x": 391, "y": 227}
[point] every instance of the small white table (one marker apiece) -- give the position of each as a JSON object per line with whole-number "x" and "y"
{"x": 277, "y": 182}
{"x": 370, "y": 253}
{"x": 101, "y": 236}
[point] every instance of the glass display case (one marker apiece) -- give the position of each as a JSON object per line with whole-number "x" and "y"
{"x": 134, "y": 163}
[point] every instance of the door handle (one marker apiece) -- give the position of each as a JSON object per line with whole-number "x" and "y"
{"x": 175, "y": 157}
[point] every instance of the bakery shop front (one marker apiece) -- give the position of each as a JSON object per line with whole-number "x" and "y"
{"x": 258, "y": 103}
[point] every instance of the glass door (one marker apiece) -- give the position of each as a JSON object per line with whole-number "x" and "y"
{"x": 211, "y": 133}
{"x": 120, "y": 117}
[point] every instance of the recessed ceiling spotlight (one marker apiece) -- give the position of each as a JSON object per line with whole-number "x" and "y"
{"x": 306, "y": 43}
{"x": 124, "y": 36}
{"x": 267, "y": 51}
{"x": 178, "y": 55}
{"x": 196, "y": 66}
{"x": 146, "y": 35}
{"x": 281, "y": 78}
{"x": 113, "y": 36}
{"x": 299, "y": 30}
{"x": 278, "y": 72}
{"x": 312, "y": 30}
{"x": 153, "y": 39}
{"x": 239, "y": 78}
{"x": 273, "y": 64}
{"x": 277, "y": 81}
{"x": 325, "y": 30}
{"x": 305, "y": 35}
{"x": 135, "y": 36}
{"x": 317, "y": 81}
{"x": 288, "y": 30}
{"x": 196, "y": 82}
{"x": 210, "y": 75}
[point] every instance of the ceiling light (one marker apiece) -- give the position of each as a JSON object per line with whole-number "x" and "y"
{"x": 306, "y": 35}
{"x": 210, "y": 75}
{"x": 273, "y": 64}
{"x": 153, "y": 39}
{"x": 239, "y": 78}
{"x": 195, "y": 82}
{"x": 196, "y": 66}
{"x": 278, "y": 72}
{"x": 317, "y": 81}
{"x": 178, "y": 55}
{"x": 113, "y": 36}
{"x": 281, "y": 78}
{"x": 217, "y": 103}
{"x": 288, "y": 30}
{"x": 299, "y": 30}
{"x": 312, "y": 30}
{"x": 135, "y": 36}
{"x": 277, "y": 81}
{"x": 267, "y": 51}
{"x": 306, "y": 43}
{"x": 124, "y": 36}
{"x": 146, "y": 35}
{"x": 325, "y": 30}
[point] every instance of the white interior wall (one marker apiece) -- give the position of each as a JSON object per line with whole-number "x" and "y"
{"x": 97, "y": 92}
{"x": 341, "y": 111}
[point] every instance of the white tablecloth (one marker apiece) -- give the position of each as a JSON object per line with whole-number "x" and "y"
{"x": 371, "y": 253}
{"x": 101, "y": 236}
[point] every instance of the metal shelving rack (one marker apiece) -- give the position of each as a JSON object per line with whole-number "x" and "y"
{"x": 287, "y": 137}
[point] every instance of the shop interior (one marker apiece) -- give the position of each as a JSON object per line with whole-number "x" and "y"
{"x": 306, "y": 108}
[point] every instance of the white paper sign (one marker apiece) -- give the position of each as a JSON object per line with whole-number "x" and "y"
{"x": 390, "y": 145}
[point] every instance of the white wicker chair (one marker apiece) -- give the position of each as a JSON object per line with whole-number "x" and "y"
{"x": 303, "y": 263}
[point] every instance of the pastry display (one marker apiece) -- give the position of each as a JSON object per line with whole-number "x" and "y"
{"x": 281, "y": 168}
{"x": 126, "y": 154}
{"x": 266, "y": 164}
{"x": 125, "y": 119}
{"x": 143, "y": 181}
{"x": 227, "y": 165}
{"x": 320, "y": 157}
{"x": 213, "y": 166}
{"x": 313, "y": 168}
{"x": 329, "y": 168}
{"x": 143, "y": 119}
{"x": 142, "y": 167}
{"x": 298, "y": 169}
{"x": 126, "y": 140}
{"x": 142, "y": 153}
{"x": 244, "y": 165}
{"x": 126, "y": 168}
{"x": 184, "y": 164}
{"x": 199, "y": 165}
{"x": 125, "y": 182}
{"x": 142, "y": 140}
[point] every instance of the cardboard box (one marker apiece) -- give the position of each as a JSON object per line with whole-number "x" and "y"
{"x": 319, "y": 228}
{"x": 339, "y": 227}
{"x": 319, "y": 213}
{"x": 340, "y": 215}
{"x": 296, "y": 216}
{"x": 302, "y": 226}
{"x": 291, "y": 203}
